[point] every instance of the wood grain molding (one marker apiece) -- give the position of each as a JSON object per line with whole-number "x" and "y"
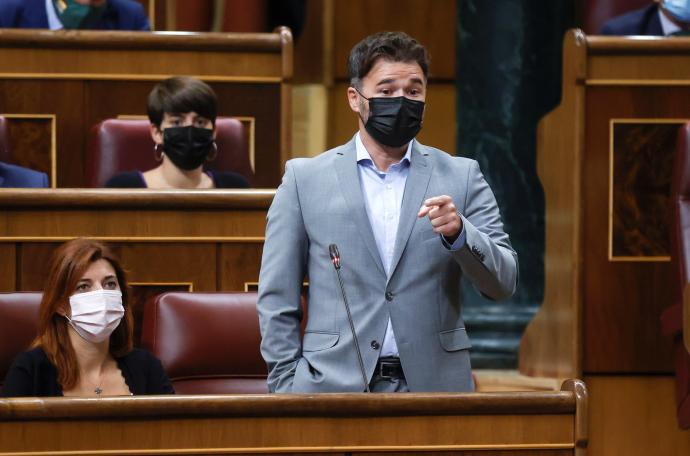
{"x": 136, "y": 198}
{"x": 131, "y": 40}
{"x": 299, "y": 405}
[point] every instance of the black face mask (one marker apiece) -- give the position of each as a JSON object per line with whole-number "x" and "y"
{"x": 394, "y": 121}
{"x": 187, "y": 147}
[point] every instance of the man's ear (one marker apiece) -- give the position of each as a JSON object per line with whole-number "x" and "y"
{"x": 353, "y": 99}
{"x": 156, "y": 134}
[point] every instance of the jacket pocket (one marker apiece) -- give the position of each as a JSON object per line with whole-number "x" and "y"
{"x": 316, "y": 341}
{"x": 454, "y": 339}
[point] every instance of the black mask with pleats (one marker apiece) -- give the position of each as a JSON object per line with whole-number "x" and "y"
{"x": 187, "y": 147}
{"x": 394, "y": 121}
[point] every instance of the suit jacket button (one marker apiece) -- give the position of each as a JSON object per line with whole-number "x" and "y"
{"x": 389, "y": 296}
{"x": 375, "y": 345}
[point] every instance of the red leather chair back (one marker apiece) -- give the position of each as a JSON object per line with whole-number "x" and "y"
{"x": 597, "y": 12}
{"x": 5, "y": 148}
{"x": 18, "y": 322}
{"x": 672, "y": 318}
{"x": 207, "y": 342}
{"x": 118, "y": 145}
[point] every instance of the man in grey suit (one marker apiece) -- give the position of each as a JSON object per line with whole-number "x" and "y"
{"x": 410, "y": 222}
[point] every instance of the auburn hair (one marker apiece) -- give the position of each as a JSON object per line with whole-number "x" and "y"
{"x": 68, "y": 265}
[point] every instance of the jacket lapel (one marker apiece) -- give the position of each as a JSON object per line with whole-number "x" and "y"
{"x": 348, "y": 178}
{"x": 415, "y": 189}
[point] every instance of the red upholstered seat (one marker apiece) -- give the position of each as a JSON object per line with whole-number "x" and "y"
{"x": 118, "y": 145}
{"x": 672, "y": 318}
{"x": 5, "y": 149}
{"x": 18, "y": 322}
{"x": 207, "y": 342}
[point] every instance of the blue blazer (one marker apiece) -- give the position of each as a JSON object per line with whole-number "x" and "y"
{"x": 118, "y": 15}
{"x": 644, "y": 21}
{"x": 13, "y": 176}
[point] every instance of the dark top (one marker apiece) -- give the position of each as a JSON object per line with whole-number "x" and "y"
{"x": 13, "y": 176}
{"x": 135, "y": 179}
{"x": 32, "y": 374}
{"x": 118, "y": 15}
{"x": 644, "y": 21}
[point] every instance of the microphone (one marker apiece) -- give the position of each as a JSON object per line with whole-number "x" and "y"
{"x": 335, "y": 259}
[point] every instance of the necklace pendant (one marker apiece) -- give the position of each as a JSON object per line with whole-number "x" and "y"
{"x": 98, "y": 390}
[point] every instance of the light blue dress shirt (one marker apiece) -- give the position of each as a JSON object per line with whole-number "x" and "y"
{"x": 53, "y": 20}
{"x": 383, "y": 195}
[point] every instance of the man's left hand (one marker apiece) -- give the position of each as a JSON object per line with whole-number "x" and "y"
{"x": 443, "y": 216}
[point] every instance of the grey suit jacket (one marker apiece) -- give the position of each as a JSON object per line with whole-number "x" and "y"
{"x": 319, "y": 203}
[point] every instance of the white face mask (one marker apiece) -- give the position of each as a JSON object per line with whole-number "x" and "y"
{"x": 96, "y": 314}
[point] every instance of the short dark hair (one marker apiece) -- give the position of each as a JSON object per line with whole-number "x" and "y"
{"x": 392, "y": 46}
{"x": 181, "y": 94}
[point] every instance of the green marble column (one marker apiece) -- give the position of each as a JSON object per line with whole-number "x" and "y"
{"x": 508, "y": 77}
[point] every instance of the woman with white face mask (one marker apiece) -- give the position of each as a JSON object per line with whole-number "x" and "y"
{"x": 84, "y": 343}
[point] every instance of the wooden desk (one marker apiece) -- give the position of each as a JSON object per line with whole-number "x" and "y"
{"x": 55, "y": 85}
{"x": 549, "y": 423}
{"x": 166, "y": 239}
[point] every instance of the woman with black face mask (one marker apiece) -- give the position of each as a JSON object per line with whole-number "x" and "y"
{"x": 182, "y": 112}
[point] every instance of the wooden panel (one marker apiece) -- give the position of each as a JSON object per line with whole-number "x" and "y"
{"x": 32, "y": 136}
{"x": 623, "y": 333}
{"x": 439, "y": 117}
{"x": 640, "y": 195}
{"x": 634, "y": 416}
{"x": 8, "y": 262}
{"x": 65, "y": 100}
{"x": 432, "y": 23}
{"x": 409, "y": 423}
{"x": 239, "y": 264}
{"x": 551, "y": 344}
{"x": 84, "y": 77}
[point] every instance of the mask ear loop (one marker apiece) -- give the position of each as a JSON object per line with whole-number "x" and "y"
{"x": 359, "y": 114}
{"x": 212, "y": 156}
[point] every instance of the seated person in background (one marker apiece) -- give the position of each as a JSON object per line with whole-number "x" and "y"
{"x": 182, "y": 112}
{"x": 73, "y": 14}
{"x": 84, "y": 342}
{"x": 13, "y": 176}
{"x": 661, "y": 18}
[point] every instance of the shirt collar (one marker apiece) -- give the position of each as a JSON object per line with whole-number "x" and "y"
{"x": 667, "y": 25}
{"x": 363, "y": 154}
{"x": 53, "y": 20}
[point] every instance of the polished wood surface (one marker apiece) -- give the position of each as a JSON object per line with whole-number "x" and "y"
{"x": 551, "y": 344}
{"x": 495, "y": 423}
{"x": 634, "y": 415}
{"x": 601, "y": 311}
{"x": 83, "y": 77}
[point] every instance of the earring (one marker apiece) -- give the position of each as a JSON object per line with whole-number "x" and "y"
{"x": 158, "y": 152}
{"x": 212, "y": 156}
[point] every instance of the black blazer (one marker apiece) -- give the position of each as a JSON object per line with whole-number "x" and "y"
{"x": 32, "y": 374}
{"x": 644, "y": 21}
